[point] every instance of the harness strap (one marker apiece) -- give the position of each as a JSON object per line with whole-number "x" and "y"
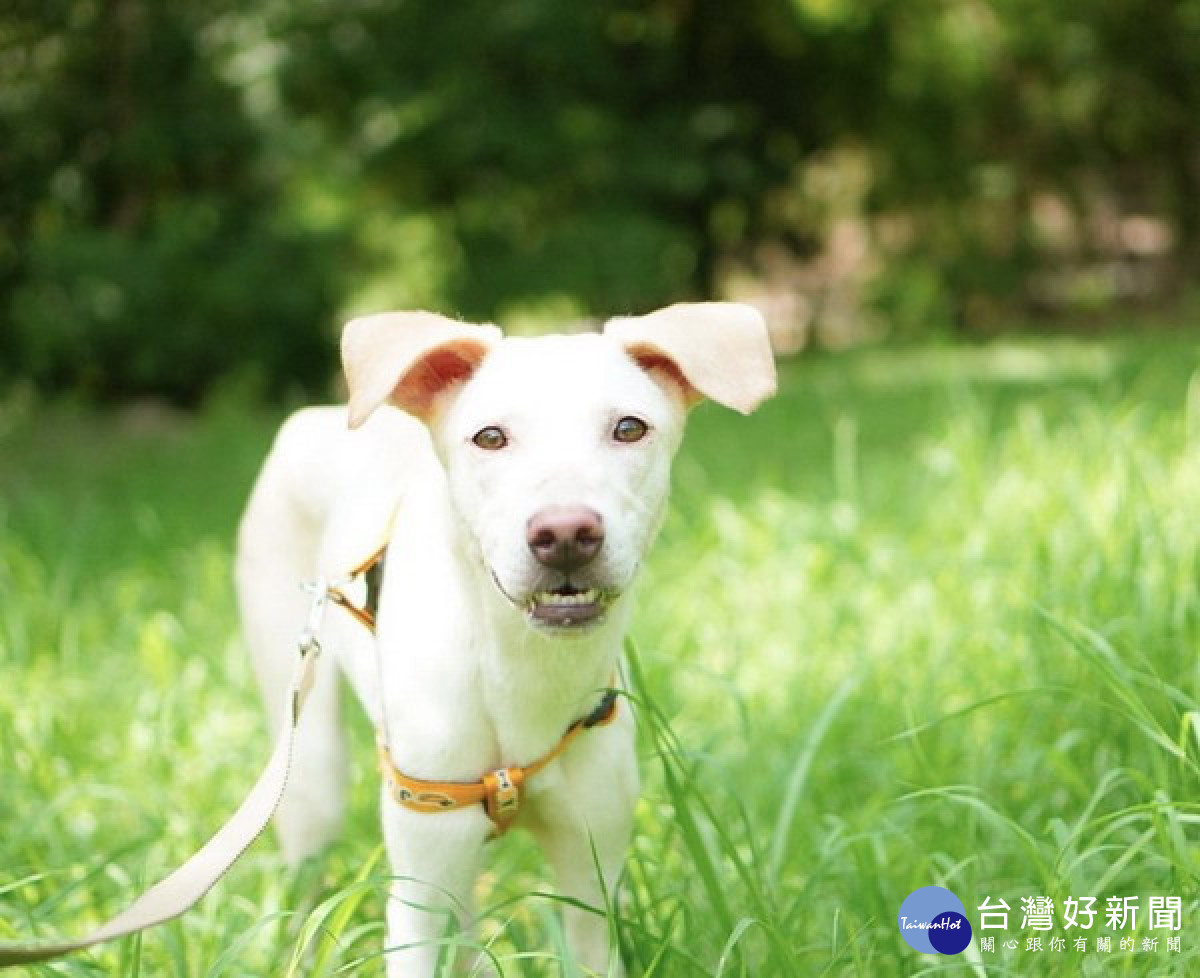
{"x": 498, "y": 791}
{"x": 371, "y": 571}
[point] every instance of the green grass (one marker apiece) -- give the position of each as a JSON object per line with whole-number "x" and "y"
{"x": 930, "y": 617}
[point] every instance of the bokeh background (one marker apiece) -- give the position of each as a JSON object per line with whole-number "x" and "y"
{"x": 930, "y": 616}
{"x": 193, "y": 190}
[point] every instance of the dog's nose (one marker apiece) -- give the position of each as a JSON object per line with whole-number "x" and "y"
{"x": 565, "y": 537}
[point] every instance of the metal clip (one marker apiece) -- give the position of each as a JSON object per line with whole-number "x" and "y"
{"x": 308, "y": 640}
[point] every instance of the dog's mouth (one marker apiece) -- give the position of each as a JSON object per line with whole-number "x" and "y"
{"x": 564, "y": 607}
{"x": 567, "y": 606}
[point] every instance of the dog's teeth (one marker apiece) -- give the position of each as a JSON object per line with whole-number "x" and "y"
{"x": 566, "y": 600}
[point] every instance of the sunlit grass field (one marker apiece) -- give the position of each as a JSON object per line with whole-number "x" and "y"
{"x": 930, "y": 617}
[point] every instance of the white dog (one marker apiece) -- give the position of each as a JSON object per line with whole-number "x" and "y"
{"x": 516, "y": 489}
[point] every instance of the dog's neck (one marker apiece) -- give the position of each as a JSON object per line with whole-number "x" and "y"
{"x": 537, "y": 680}
{"x": 521, "y": 686}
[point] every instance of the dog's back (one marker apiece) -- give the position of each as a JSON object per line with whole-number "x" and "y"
{"x": 322, "y": 502}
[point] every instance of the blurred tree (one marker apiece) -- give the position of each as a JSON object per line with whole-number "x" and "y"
{"x": 609, "y": 151}
{"x": 144, "y": 249}
{"x": 185, "y": 187}
{"x": 617, "y": 152}
{"x": 997, "y": 112}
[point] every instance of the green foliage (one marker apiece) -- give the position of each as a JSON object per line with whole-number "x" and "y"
{"x": 930, "y": 616}
{"x": 572, "y": 148}
{"x": 215, "y": 182}
{"x": 143, "y": 251}
{"x": 991, "y": 111}
{"x": 192, "y": 297}
{"x": 625, "y": 154}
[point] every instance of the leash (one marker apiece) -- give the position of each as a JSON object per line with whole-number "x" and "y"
{"x": 182, "y": 889}
{"x": 498, "y": 791}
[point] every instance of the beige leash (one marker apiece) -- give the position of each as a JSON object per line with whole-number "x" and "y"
{"x": 180, "y": 891}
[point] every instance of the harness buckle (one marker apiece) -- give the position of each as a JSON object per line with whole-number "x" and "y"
{"x": 503, "y": 794}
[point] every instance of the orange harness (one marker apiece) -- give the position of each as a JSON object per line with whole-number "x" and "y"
{"x": 498, "y": 791}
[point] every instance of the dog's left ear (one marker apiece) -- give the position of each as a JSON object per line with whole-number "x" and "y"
{"x": 717, "y": 350}
{"x": 409, "y": 359}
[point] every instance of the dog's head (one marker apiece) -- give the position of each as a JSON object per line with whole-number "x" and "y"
{"x": 557, "y": 450}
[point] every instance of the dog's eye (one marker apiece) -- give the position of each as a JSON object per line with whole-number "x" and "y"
{"x": 491, "y": 438}
{"x": 630, "y": 430}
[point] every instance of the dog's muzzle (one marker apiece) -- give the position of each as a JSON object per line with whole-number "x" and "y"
{"x": 565, "y": 540}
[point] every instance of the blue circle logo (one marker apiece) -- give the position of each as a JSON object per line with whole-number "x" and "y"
{"x": 933, "y": 920}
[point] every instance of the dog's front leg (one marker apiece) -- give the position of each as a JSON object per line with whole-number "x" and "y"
{"x": 435, "y": 861}
{"x": 585, "y": 831}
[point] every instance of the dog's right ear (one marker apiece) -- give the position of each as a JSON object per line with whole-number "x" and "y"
{"x": 408, "y": 359}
